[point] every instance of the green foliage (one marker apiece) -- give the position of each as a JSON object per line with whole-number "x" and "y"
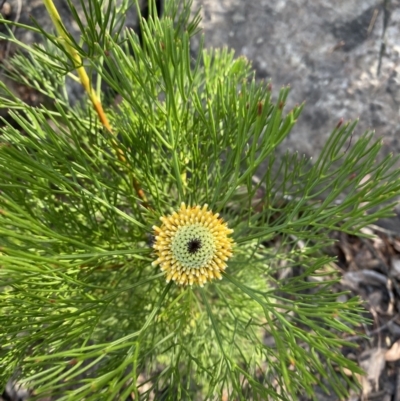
{"x": 84, "y": 315}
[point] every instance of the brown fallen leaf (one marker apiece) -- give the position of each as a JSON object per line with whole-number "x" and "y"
{"x": 395, "y": 264}
{"x": 372, "y": 362}
{"x": 393, "y": 354}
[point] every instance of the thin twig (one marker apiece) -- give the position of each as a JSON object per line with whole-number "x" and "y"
{"x": 386, "y": 17}
{"x": 373, "y": 20}
{"x": 85, "y": 81}
{"x": 17, "y": 17}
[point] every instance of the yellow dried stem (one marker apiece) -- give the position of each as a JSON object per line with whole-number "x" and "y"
{"x": 78, "y": 64}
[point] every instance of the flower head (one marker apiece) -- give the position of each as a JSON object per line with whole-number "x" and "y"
{"x": 192, "y": 245}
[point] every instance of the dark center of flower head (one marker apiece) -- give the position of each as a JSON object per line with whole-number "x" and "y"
{"x": 194, "y": 245}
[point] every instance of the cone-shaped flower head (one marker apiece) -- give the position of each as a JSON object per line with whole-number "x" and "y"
{"x": 192, "y": 245}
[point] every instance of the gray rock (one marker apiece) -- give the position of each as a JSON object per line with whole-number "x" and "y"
{"x": 328, "y": 52}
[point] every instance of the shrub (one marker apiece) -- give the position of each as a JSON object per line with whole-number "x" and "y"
{"x": 86, "y": 311}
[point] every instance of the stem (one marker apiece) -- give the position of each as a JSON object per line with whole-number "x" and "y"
{"x": 76, "y": 58}
{"x": 78, "y": 64}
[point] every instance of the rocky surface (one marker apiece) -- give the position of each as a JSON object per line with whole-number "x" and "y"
{"x": 328, "y": 52}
